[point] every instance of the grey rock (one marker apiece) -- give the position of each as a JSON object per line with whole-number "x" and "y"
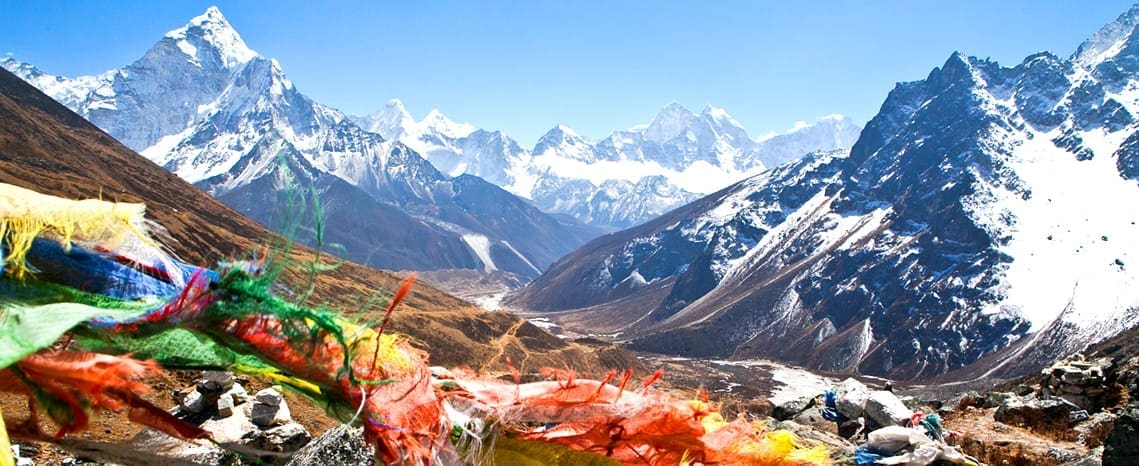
{"x": 216, "y": 381}
{"x": 285, "y": 438}
{"x": 1073, "y": 389}
{"x": 269, "y": 396}
{"x": 193, "y": 402}
{"x": 886, "y": 409}
{"x": 1121, "y": 446}
{"x": 995, "y": 399}
{"x": 813, "y": 417}
{"x": 850, "y": 397}
{"x": 265, "y": 415}
{"x": 951, "y": 405}
{"x": 21, "y": 461}
{"x": 225, "y": 406}
{"x": 1080, "y": 401}
{"x": 1036, "y": 412}
{"x": 1074, "y": 377}
{"x": 1091, "y": 433}
{"x": 1094, "y": 457}
{"x": 340, "y": 446}
{"x": 791, "y": 408}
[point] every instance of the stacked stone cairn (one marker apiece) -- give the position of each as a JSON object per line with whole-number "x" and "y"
{"x": 260, "y": 425}
{"x": 1080, "y": 382}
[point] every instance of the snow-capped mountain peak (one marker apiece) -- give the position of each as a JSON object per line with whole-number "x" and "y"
{"x": 206, "y": 107}
{"x": 560, "y": 134}
{"x": 438, "y": 123}
{"x": 562, "y": 141}
{"x": 1108, "y": 41}
{"x": 391, "y": 122}
{"x": 673, "y": 120}
{"x": 720, "y": 116}
{"x": 213, "y": 30}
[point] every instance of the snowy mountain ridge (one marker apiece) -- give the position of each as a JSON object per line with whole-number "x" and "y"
{"x": 681, "y": 154}
{"x": 203, "y": 105}
{"x": 984, "y": 216}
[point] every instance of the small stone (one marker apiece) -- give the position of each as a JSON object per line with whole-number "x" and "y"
{"x": 20, "y": 461}
{"x": 193, "y": 402}
{"x": 269, "y": 396}
{"x": 1082, "y": 365}
{"x": 267, "y": 415}
{"x": 225, "y": 406}
{"x": 237, "y": 393}
{"x": 216, "y": 381}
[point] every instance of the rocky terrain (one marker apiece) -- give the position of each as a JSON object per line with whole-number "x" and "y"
{"x": 1078, "y": 411}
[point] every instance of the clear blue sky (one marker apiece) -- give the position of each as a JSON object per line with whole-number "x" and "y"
{"x": 525, "y": 66}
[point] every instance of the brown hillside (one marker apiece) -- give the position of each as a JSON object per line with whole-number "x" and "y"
{"x": 46, "y": 147}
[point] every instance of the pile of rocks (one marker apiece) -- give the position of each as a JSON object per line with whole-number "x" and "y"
{"x": 259, "y": 425}
{"x": 215, "y": 393}
{"x": 1044, "y": 414}
{"x": 872, "y": 425}
{"x": 1081, "y": 382}
{"x": 860, "y": 409}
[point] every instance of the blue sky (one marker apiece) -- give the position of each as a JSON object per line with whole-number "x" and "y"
{"x": 525, "y": 66}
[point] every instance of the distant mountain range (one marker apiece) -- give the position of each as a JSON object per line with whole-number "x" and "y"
{"x": 206, "y": 107}
{"x": 48, "y": 148}
{"x": 398, "y": 193}
{"x": 985, "y": 211}
{"x": 623, "y": 180}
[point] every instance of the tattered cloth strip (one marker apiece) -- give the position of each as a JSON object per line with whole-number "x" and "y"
{"x": 641, "y": 426}
{"x": 178, "y": 316}
{"x": 93, "y": 224}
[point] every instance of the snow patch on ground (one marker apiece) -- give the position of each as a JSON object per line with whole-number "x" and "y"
{"x": 481, "y": 246}
{"x": 491, "y": 302}
{"x": 794, "y": 383}
{"x": 798, "y": 383}
{"x": 1072, "y": 244}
